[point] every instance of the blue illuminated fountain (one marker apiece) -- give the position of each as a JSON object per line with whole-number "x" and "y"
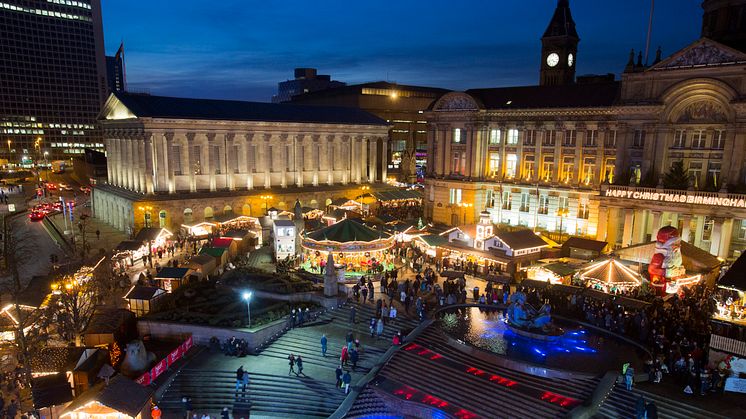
{"x": 523, "y": 319}
{"x": 576, "y": 348}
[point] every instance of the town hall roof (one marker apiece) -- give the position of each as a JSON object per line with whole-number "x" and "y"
{"x": 578, "y": 95}
{"x": 144, "y": 106}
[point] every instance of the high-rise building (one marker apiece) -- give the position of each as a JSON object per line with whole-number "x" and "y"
{"x": 53, "y": 78}
{"x": 306, "y": 80}
{"x": 116, "y": 76}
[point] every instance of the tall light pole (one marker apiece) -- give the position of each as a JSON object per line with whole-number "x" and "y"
{"x": 363, "y": 190}
{"x": 562, "y": 212}
{"x": 46, "y": 164}
{"x": 464, "y": 206}
{"x": 247, "y": 297}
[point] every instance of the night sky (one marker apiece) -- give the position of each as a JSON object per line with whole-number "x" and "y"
{"x": 240, "y": 49}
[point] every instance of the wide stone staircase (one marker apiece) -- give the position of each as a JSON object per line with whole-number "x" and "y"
{"x": 621, "y": 403}
{"x": 278, "y": 394}
{"x": 433, "y": 373}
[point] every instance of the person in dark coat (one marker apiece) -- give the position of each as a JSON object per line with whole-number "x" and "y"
{"x": 323, "y": 345}
{"x": 354, "y": 356}
{"x": 299, "y": 363}
{"x": 346, "y": 380}
{"x": 225, "y": 414}
{"x": 640, "y": 408}
{"x": 291, "y": 362}
{"x": 651, "y": 411}
{"x": 338, "y": 372}
{"x": 352, "y": 316}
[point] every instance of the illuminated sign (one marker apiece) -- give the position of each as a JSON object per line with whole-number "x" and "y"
{"x": 680, "y": 198}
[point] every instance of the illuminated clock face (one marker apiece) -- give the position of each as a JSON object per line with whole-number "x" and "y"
{"x": 552, "y": 59}
{"x": 570, "y": 59}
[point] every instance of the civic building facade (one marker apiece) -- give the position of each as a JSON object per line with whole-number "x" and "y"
{"x": 173, "y": 160}
{"x": 590, "y": 156}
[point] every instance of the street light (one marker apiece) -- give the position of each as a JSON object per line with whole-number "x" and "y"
{"x": 362, "y": 195}
{"x": 247, "y": 297}
{"x": 562, "y": 212}
{"x": 465, "y": 205}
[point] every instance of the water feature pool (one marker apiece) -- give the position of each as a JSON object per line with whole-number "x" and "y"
{"x": 579, "y": 349}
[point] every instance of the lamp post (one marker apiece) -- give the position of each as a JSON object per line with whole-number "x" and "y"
{"x": 464, "y": 206}
{"x": 46, "y": 164}
{"x": 561, "y": 213}
{"x": 266, "y": 207}
{"x": 362, "y": 195}
{"x": 247, "y": 297}
{"x": 9, "y": 141}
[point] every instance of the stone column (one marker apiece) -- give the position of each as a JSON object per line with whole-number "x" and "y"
{"x": 192, "y": 160}
{"x": 432, "y": 145}
{"x": 385, "y": 159}
{"x": 267, "y": 160}
{"x": 716, "y": 236}
{"x": 726, "y": 235}
{"x": 601, "y": 230}
{"x": 640, "y": 227}
{"x": 656, "y": 222}
{"x": 686, "y": 228}
{"x": 629, "y": 215}
{"x": 330, "y": 159}
{"x": 373, "y": 161}
{"x": 612, "y": 230}
{"x": 130, "y": 162}
{"x": 698, "y": 232}
{"x": 356, "y": 162}
{"x": 109, "y": 168}
{"x": 146, "y": 164}
{"x": 447, "y": 141}
{"x": 300, "y": 158}
{"x": 345, "y": 153}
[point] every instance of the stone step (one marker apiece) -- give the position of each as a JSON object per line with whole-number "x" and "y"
{"x": 622, "y": 403}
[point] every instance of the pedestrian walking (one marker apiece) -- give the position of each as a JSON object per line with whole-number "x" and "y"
{"x": 354, "y": 356}
{"x": 338, "y": 373}
{"x": 379, "y": 328}
{"x": 245, "y": 382}
{"x": 372, "y": 326}
{"x": 392, "y": 314}
{"x": 343, "y": 358}
{"x": 365, "y": 294}
{"x": 239, "y": 378}
{"x": 323, "y": 345}
{"x": 346, "y": 380}
{"x": 299, "y": 364}
{"x": 225, "y": 414}
{"x": 352, "y": 316}
{"x": 98, "y": 234}
{"x": 291, "y": 362}
{"x": 186, "y": 402}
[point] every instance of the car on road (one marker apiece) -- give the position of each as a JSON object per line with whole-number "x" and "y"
{"x": 51, "y": 186}
{"x": 65, "y": 186}
{"x": 85, "y": 189}
{"x": 36, "y": 215}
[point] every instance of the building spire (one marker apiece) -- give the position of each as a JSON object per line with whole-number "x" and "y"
{"x": 561, "y": 23}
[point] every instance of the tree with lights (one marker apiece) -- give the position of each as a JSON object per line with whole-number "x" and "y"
{"x": 677, "y": 177}
{"x": 73, "y": 303}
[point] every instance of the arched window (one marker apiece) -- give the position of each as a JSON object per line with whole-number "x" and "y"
{"x": 246, "y": 210}
{"x": 162, "y": 219}
{"x": 208, "y": 213}
{"x": 227, "y": 209}
{"x": 187, "y": 215}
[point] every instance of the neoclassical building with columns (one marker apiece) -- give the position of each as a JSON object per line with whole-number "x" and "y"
{"x": 589, "y": 156}
{"x": 175, "y": 160}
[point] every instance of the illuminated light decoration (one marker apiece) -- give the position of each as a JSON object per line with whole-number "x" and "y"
{"x": 610, "y": 272}
{"x": 555, "y": 398}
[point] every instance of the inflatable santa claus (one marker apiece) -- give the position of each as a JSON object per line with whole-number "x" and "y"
{"x": 666, "y": 264}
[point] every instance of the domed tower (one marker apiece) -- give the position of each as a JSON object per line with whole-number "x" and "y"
{"x": 559, "y": 48}
{"x": 724, "y": 21}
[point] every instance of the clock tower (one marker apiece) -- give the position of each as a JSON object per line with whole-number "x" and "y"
{"x": 559, "y": 48}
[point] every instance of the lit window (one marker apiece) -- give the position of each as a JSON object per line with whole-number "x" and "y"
{"x": 570, "y": 138}
{"x": 512, "y": 136}
{"x": 718, "y": 141}
{"x": 457, "y": 135}
{"x": 511, "y": 164}
{"x": 494, "y": 136}
{"x": 455, "y": 196}
{"x": 590, "y": 138}
{"x": 679, "y": 138}
{"x": 699, "y": 139}
{"x": 494, "y": 163}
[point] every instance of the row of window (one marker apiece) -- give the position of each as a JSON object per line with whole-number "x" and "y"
{"x": 504, "y": 200}
{"x": 587, "y": 173}
{"x": 698, "y": 139}
{"x": 42, "y": 12}
{"x": 80, "y": 4}
{"x": 513, "y": 135}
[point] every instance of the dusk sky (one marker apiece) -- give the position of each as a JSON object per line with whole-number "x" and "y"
{"x": 240, "y": 49}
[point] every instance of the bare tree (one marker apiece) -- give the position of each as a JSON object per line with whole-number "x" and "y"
{"x": 74, "y": 302}
{"x": 15, "y": 253}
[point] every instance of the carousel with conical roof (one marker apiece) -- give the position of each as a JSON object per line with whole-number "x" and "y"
{"x": 357, "y": 248}
{"x": 609, "y": 275}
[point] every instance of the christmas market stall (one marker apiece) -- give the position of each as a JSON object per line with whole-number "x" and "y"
{"x": 170, "y": 278}
{"x": 731, "y": 294}
{"x": 356, "y": 247}
{"x": 143, "y": 299}
{"x": 199, "y": 230}
{"x": 118, "y": 397}
{"x": 608, "y": 275}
